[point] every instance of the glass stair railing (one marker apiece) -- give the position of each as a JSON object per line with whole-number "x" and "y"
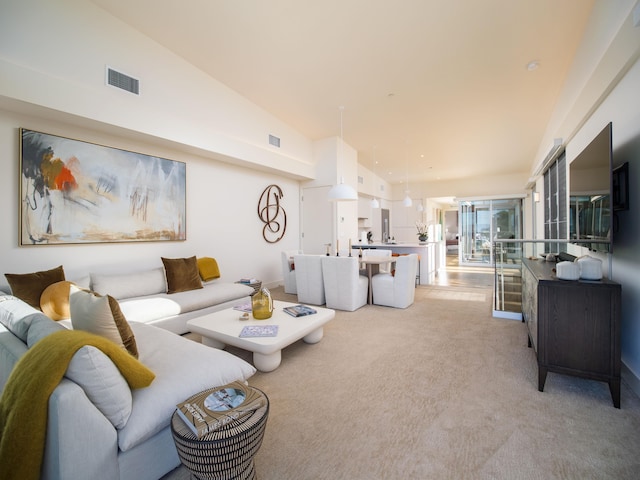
{"x": 508, "y": 255}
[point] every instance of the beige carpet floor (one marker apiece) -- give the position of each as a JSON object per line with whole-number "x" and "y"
{"x": 441, "y": 390}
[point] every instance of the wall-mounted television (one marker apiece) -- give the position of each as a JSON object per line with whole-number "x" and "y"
{"x": 590, "y": 187}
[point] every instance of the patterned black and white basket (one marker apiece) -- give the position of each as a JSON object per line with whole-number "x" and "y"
{"x": 226, "y": 453}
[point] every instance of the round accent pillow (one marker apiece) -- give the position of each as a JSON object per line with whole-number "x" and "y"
{"x": 54, "y": 301}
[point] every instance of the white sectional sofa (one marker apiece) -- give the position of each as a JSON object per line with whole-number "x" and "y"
{"x": 97, "y": 427}
{"x": 142, "y": 293}
{"x": 143, "y": 297}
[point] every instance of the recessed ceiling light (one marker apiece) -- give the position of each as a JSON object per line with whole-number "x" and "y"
{"x": 533, "y": 65}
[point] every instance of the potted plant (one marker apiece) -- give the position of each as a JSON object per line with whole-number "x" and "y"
{"x": 423, "y": 234}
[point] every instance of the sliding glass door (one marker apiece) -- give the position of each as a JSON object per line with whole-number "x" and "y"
{"x": 481, "y": 222}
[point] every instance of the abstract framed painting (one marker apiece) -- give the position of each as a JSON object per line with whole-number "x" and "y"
{"x": 78, "y": 192}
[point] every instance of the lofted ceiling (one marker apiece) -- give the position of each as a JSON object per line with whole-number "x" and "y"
{"x": 432, "y": 89}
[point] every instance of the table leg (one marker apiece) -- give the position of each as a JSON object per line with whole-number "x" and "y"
{"x": 268, "y": 362}
{"x": 371, "y": 270}
{"x": 315, "y": 336}
{"x": 210, "y": 342}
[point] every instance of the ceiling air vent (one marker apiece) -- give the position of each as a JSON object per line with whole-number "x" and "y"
{"x": 122, "y": 81}
{"x": 275, "y": 141}
{"x": 360, "y": 179}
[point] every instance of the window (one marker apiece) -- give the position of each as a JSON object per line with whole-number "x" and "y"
{"x": 482, "y": 222}
{"x": 555, "y": 202}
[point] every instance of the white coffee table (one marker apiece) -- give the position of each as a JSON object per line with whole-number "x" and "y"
{"x": 223, "y": 328}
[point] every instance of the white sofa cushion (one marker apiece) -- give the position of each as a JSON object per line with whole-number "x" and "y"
{"x": 40, "y": 328}
{"x": 154, "y": 307}
{"x": 17, "y": 315}
{"x": 136, "y": 284}
{"x": 103, "y": 383}
{"x": 94, "y": 372}
{"x": 182, "y": 368}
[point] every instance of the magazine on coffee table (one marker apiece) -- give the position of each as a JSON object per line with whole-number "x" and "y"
{"x": 299, "y": 310}
{"x": 259, "y": 331}
{"x": 244, "y": 307}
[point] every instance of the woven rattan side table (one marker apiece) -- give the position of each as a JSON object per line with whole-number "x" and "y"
{"x": 226, "y": 453}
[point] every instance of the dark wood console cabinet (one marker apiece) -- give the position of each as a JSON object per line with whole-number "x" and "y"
{"x": 573, "y": 326}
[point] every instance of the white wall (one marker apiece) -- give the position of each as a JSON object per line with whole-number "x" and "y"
{"x": 496, "y": 185}
{"x": 222, "y": 219}
{"x": 53, "y": 53}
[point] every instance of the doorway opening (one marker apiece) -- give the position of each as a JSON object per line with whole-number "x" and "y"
{"x": 481, "y": 222}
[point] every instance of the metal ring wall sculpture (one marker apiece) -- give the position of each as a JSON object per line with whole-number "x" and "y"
{"x": 272, "y": 214}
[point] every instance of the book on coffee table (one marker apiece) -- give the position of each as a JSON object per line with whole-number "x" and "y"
{"x": 299, "y": 310}
{"x": 214, "y": 408}
{"x": 259, "y": 331}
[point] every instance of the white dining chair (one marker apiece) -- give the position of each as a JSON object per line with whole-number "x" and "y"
{"x": 288, "y": 271}
{"x": 344, "y": 287}
{"x": 397, "y": 290}
{"x": 379, "y": 252}
{"x": 309, "y": 281}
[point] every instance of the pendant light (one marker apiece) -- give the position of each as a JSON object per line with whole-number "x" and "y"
{"x": 374, "y": 202}
{"x": 342, "y": 191}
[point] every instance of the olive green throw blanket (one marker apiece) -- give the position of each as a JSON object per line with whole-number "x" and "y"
{"x": 25, "y": 399}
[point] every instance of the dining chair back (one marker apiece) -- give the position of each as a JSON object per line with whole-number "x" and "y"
{"x": 344, "y": 287}
{"x": 379, "y": 252}
{"x": 397, "y": 290}
{"x": 309, "y": 280}
{"x": 288, "y": 271}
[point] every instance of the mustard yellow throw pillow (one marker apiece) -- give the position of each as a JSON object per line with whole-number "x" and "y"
{"x": 182, "y": 274}
{"x": 208, "y": 268}
{"x": 54, "y": 301}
